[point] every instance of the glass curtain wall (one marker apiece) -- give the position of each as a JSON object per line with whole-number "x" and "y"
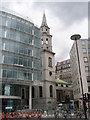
{"x": 19, "y": 57}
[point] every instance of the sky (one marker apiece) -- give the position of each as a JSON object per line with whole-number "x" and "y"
{"x": 64, "y": 18}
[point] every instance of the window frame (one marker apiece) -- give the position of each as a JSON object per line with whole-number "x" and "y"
{"x": 50, "y": 62}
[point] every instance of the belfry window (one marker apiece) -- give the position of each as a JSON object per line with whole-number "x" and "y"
{"x": 46, "y": 40}
{"x": 50, "y": 62}
{"x": 42, "y": 41}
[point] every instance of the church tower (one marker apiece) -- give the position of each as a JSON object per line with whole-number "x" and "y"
{"x": 48, "y": 67}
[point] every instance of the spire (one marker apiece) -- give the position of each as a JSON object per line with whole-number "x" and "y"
{"x": 44, "y": 22}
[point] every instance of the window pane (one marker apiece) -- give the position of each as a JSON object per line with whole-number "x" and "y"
{"x": 89, "y": 50}
{"x": 9, "y": 73}
{"x": 83, "y": 42}
{"x": 11, "y": 60}
{"x": 3, "y": 21}
{"x": 36, "y": 64}
{"x": 25, "y": 76}
{"x": 16, "y": 60}
{"x": 36, "y": 32}
{"x": 85, "y": 59}
{"x": 86, "y": 68}
{"x": 20, "y": 61}
{"x": 29, "y": 52}
{"x": 21, "y": 49}
{"x": 88, "y": 41}
{"x": 37, "y": 42}
{"x": 25, "y": 62}
{"x": 6, "y": 44}
{"x": 37, "y": 53}
{"x": 88, "y": 78}
{"x": 7, "y": 90}
{"x": 18, "y": 36}
{"x": 29, "y": 63}
{"x": 88, "y": 88}
{"x": 5, "y": 59}
{"x": 14, "y": 73}
{"x": 16, "y": 48}
{"x": 4, "y": 73}
{"x": 29, "y": 76}
{"x": 20, "y": 74}
{"x": 35, "y": 76}
{"x": 25, "y": 50}
{"x": 84, "y": 50}
{"x": 11, "y": 47}
{"x": 8, "y": 22}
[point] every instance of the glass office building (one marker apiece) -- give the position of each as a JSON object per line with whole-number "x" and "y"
{"x": 19, "y": 59}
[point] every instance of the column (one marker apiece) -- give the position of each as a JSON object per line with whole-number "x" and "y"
{"x": 30, "y": 97}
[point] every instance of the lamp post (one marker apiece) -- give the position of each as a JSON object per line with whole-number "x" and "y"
{"x": 76, "y": 37}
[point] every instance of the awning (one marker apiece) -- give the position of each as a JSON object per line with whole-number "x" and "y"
{"x": 59, "y": 81}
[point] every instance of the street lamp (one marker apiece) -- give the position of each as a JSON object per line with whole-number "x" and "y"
{"x": 76, "y": 37}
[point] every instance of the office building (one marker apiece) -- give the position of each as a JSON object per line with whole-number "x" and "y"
{"x": 83, "y": 50}
{"x": 20, "y": 60}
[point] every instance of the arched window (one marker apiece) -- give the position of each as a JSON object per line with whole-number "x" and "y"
{"x": 50, "y": 62}
{"x": 46, "y": 40}
{"x": 33, "y": 92}
{"x": 42, "y": 41}
{"x": 51, "y": 91}
{"x": 40, "y": 91}
{"x": 61, "y": 85}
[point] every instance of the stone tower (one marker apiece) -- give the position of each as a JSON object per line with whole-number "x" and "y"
{"x": 48, "y": 67}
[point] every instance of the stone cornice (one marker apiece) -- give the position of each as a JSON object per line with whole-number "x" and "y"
{"x": 44, "y": 50}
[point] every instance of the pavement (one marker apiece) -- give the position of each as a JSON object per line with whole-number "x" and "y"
{"x": 51, "y": 116}
{"x": 48, "y": 119}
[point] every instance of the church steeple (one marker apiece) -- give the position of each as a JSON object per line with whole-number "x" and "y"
{"x": 46, "y": 38}
{"x": 44, "y": 21}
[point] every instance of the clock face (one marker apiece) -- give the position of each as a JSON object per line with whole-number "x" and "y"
{"x": 50, "y": 73}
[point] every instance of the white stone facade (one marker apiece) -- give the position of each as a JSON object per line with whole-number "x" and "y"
{"x": 83, "y": 59}
{"x": 48, "y": 65}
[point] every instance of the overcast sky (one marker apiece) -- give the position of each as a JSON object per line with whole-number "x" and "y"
{"x": 64, "y": 19}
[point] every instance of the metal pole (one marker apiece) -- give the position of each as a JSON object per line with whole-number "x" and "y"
{"x": 79, "y": 69}
{"x": 30, "y": 97}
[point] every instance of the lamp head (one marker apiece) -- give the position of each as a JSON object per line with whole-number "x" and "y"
{"x": 75, "y": 37}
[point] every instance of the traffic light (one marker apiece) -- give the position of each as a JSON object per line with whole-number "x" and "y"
{"x": 84, "y": 97}
{"x": 88, "y": 96}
